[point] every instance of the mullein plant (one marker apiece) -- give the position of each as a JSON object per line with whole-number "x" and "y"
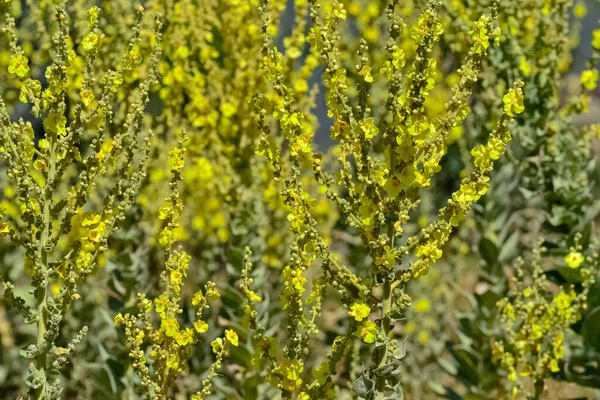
{"x": 537, "y": 319}
{"x": 171, "y": 346}
{"x": 379, "y": 190}
{"x": 60, "y": 229}
{"x": 551, "y": 168}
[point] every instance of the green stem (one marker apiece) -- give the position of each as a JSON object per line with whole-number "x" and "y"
{"x": 386, "y": 301}
{"x": 41, "y": 357}
{"x": 42, "y": 290}
{"x": 539, "y": 389}
{"x": 385, "y": 330}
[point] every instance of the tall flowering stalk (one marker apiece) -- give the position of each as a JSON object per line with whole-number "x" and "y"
{"x": 536, "y": 319}
{"x": 62, "y": 232}
{"x": 381, "y": 189}
{"x": 171, "y": 346}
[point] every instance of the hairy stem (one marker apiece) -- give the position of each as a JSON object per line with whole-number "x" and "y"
{"x": 41, "y": 292}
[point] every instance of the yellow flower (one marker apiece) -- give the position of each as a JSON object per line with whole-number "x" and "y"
{"x": 140, "y": 336}
{"x": 480, "y": 36}
{"x": 5, "y": 227}
{"x": 90, "y": 219}
{"x": 176, "y": 159}
{"x": 339, "y": 11}
{"x": 160, "y": 304}
{"x": 182, "y": 52}
{"x": 574, "y": 259}
{"x": 228, "y": 110}
{"x": 371, "y": 34}
{"x": 596, "y": 39}
{"x": 56, "y": 123}
{"x": 19, "y": 65}
{"x": 86, "y": 98}
{"x": 579, "y": 10}
{"x": 173, "y": 360}
{"x": 354, "y": 8}
{"x": 422, "y": 305}
{"x": 365, "y": 72}
{"x": 562, "y": 300}
{"x": 40, "y": 164}
{"x": 118, "y": 319}
{"x": 90, "y": 41}
{"x": 359, "y": 311}
{"x": 184, "y": 337}
{"x": 83, "y": 260}
{"x": 510, "y": 311}
{"x": 96, "y": 234}
{"x": 293, "y": 52}
{"x": 367, "y": 331}
{"x": 300, "y": 85}
{"x": 589, "y": 79}
{"x": 212, "y": 293}
{"x": 170, "y": 327}
{"x": 321, "y": 374}
{"x": 527, "y": 370}
{"x": 232, "y": 337}
{"x": 369, "y": 128}
{"x": 166, "y": 235}
{"x": 513, "y": 102}
{"x": 303, "y": 396}
{"x": 176, "y": 277}
{"x": 201, "y": 326}
{"x": 197, "y": 298}
{"x": 105, "y": 149}
{"x": 216, "y": 345}
{"x": 537, "y": 331}
{"x": 525, "y": 67}
{"x": 253, "y": 296}
{"x": 292, "y": 371}
{"x": 164, "y": 212}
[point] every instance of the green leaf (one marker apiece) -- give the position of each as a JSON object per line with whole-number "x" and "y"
{"x": 397, "y": 394}
{"x": 30, "y": 352}
{"x": 509, "y": 248}
{"x": 447, "y": 365}
{"x": 393, "y": 368}
{"x": 590, "y": 330}
{"x": 241, "y": 356}
{"x": 436, "y": 387}
{"x": 489, "y": 251}
{"x": 400, "y": 351}
{"x": 364, "y": 386}
{"x": 251, "y": 386}
{"x": 468, "y": 361}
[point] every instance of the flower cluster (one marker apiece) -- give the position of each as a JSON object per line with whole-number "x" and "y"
{"x": 171, "y": 345}
{"x": 536, "y": 319}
